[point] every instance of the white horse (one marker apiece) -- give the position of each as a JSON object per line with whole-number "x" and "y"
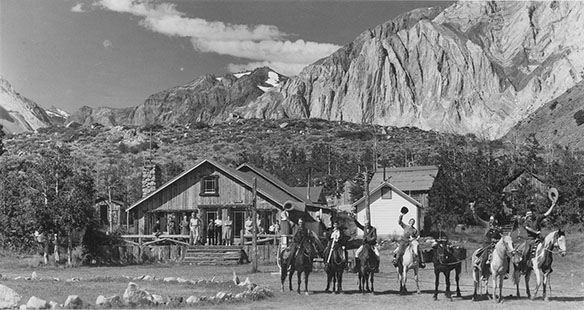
{"x": 542, "y": 261}
{"x": 410, "y": 260}
{"x": 500, "y": 264}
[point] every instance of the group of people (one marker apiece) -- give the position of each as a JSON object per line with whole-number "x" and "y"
{"x": 301, "y": 235}
{"x": 218, "y": 231}
{"x": 532, "y": 224}
{"x": 44, "y": 241}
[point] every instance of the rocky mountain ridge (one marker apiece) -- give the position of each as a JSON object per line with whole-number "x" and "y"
{"x": 476, "y": 67}
{"x": 18, "y": 113}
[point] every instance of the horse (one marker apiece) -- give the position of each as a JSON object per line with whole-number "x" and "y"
{"x": 366, "y": 270}
{"x": 445, "y": 259}
{"x": 542, "y": 261}
{"x": 410, "y": 260}
{"x": 500, "y": 264}
{"x": 335, "y": 264}
{"x": 306, "y": 252}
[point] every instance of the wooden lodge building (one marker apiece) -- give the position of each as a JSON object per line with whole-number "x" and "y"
{"x": 214, "y": 190}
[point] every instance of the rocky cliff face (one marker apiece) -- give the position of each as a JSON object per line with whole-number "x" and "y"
{"x": 18, "y": 113}
{"x": 207, "y": 98}
{"x": 560, "y": 121}
{"x": 476, "y": 67}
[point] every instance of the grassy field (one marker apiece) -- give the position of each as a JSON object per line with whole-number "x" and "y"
{"x": 567, "y": 285}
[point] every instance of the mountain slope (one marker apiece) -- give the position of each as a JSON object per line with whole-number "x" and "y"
{"x": 476, "y": 67}
{"x": 18, "y": 113}
{"x": 560, "y": 121}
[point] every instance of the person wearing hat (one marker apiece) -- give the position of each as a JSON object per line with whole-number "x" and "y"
{"x": 492, "y": 236}
{"x": 369, "y": 237}
{"x": 532, "y": 226}
{"x": 410, "y": 233}
{"x": 301, "y": 235}
{"x": 335, "y": 240}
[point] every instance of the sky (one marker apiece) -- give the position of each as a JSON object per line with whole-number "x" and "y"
{"x": 116, "y": 53}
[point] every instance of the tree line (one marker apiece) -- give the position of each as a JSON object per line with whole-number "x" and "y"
{"x": 55, "y": 190}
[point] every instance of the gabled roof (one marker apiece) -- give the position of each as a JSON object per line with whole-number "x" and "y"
{"x": 265, "y": 188}
{"x": 270, "y": 181}
{"x": 314, "y": 192}
{"x": 394, "y": 188}
{"x": 407, "y": 179}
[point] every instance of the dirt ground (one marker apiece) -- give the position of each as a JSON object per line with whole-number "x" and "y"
{"x": 567, "y": 285}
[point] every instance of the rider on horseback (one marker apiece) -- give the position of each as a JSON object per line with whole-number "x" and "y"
{"x": 492, "y": 236}
{"x": 533, "y": 225}
{"x": 410, "y": 233}
{"x": 300, "y": 236}
{"x": 336, "y": 239}
{"x": 369, "y": 237}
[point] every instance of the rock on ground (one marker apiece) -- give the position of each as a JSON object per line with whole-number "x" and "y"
{"x": 135, "y": 296}
{"x": 8, "y": 297}
{"x": 37, "y": 303}
{"x": 73, "y": 302}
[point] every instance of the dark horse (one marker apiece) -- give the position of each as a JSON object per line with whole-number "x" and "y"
{"x": 301, "y": 262}
{"x": 368, "y": 261}
{"x": 335, "y": 266}
{"x": 446, "y": 258}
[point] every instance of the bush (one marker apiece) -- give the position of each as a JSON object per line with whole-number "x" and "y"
{"x": 579, "y": 117}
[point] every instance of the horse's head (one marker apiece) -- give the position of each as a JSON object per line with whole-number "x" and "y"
{"x": 561, "y": 241}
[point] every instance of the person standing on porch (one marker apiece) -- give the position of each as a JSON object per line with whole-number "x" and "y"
{"x": 218, "y": 231}
{"x": 227, "y": 231}
{"x": 195, "y": 228}
{"x": 184, "y": 226}
{"x": 211, "y": 232}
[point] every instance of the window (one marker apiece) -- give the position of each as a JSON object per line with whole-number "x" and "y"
{"x": 210, "y": 186}
{"x": 385, "y": 193}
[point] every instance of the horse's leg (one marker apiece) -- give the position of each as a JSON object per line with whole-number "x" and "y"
{"x": 546, "y": 278}
{"x": 366, "y": 277}
{"x": 436, "y": 282}
{"x": 299, "y": 275}
{"x": 494, "y": 276}
{"x": 516, "y": 279}
{"x": 475, "y": 278}
{"x": 360, "y": 276}
{"x": 457, "y": 278}
{"x": 372, "y": 280}
{"x": 537, "y": 281}
{"x": 501, "y": 278}
{"x": 283, "y": 273}
{"x": 417, "y": 280}
{"x": 405, "y": 279}
{"x": 527, "y": 276}
{"x": 306, "y": 275}
{"x": 340, "y": 281}
{"x": 290, "y": 275}
{"x": 447, "y": 281}
{"x": 329, "y": 277}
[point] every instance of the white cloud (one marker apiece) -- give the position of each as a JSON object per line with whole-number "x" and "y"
{"x": 259, "y": 43}
{"x": 107, "y": 44}
{"x": 78, "y": 8}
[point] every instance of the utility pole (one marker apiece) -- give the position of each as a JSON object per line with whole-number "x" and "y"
{"x": 254, "y": 230}
{"x": 367, "y": 202}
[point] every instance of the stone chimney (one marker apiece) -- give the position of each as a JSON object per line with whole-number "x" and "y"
{"x": 151, "y": 176}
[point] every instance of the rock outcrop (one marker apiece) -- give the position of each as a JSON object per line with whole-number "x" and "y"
{"x": 18, "y": 113}
{"x": 476, "y": 67}
{"x": 8, "y": 297}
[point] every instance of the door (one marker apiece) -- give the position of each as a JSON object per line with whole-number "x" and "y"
{"x": 209, "y": 215}
{"x": 238, "y": 222}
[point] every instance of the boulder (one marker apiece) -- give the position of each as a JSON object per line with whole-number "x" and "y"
{"x": 134, "y": 296}
{"x": 193, "y": 300}
{"x": 8, "y": 297}
{"x": 73, "y": 302}
{"x": 174, "y": 301}
{"x": 169, "y": 279}
{"x": 108, "y": 302}
{"x": 158, "y": 299}
{"x": 37, "y": 303}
